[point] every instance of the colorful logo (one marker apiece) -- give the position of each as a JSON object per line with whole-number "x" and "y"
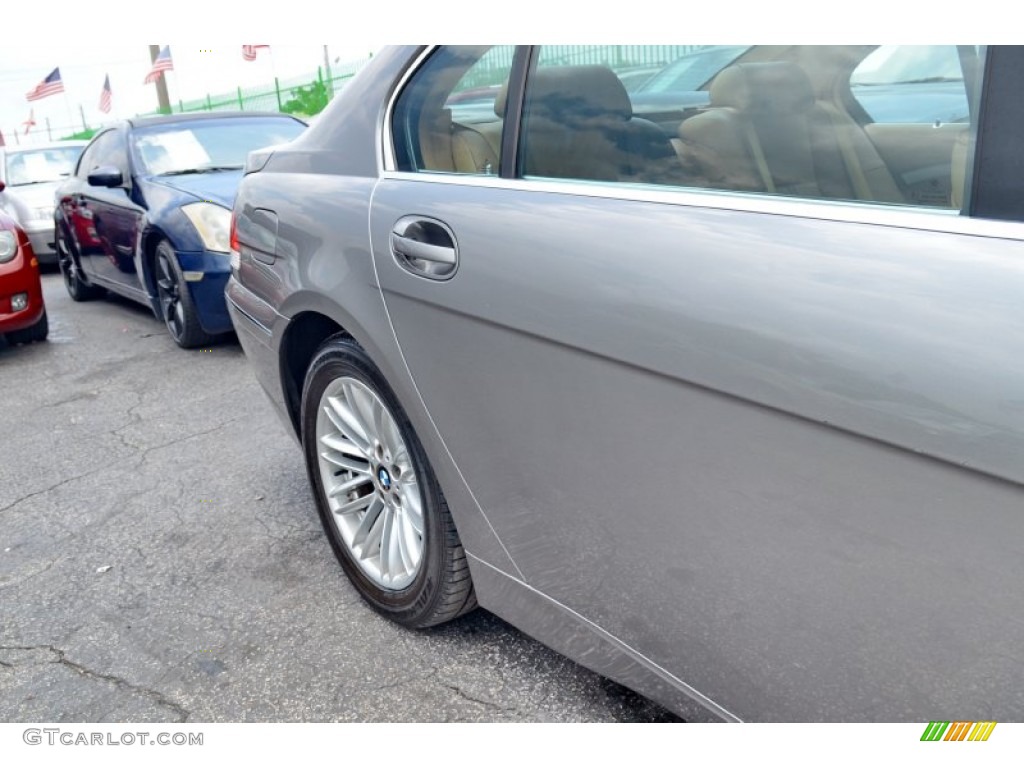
{"x": 958, "y": 731}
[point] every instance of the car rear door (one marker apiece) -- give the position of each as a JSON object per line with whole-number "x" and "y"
{"x": 772, "y": 444}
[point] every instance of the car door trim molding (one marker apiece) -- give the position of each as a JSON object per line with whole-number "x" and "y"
{"x": 385, "y": 136}
{"x": 900, "y": 216}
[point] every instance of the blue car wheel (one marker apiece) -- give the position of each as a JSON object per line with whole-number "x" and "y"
{"x": 179, "y": 313}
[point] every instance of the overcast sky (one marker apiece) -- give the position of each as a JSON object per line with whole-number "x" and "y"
{"x": 213, "y": 69}
{"x": 88, "y": 39}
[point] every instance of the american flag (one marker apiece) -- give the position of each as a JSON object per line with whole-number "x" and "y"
{"x": 249, "y": 51}
{"x": 163, "y": 63}
{"x": 30, "y": 122}
{"x": 105, "y": 96}
{"x": 50, "y": 85}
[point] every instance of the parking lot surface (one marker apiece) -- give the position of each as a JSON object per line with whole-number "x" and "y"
{"x": 161, "y": 558}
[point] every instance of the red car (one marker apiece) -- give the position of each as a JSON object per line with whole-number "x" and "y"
{"x": 22, "y": 313}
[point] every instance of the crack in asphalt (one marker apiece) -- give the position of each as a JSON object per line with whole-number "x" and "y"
{"x": 145, "y": 453}
{"x": 66, "y": 401}
{"x": 142, "y": 458}
{"x": 53, "y": 487}
{"x": 133, "y": 418}
{"x": 484, "y": 702}
{"x": 436, "y": 672}
{"x": 119, "y": 682}
{"x": 23, "y": 579}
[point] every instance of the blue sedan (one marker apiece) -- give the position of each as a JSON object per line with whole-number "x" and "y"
{"x": 147, "y": 214}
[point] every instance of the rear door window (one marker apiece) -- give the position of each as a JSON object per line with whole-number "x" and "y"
{"x": 796, "y": 121}
{"x": 449, "y": 117}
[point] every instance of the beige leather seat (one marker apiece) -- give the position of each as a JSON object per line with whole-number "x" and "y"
{"x": 435, "y": 140}
{"x": 765, "y": 132}
{"x": 579, "y": 124}
{"x": 448, "y": 147}
{"x": 958, "y": 171}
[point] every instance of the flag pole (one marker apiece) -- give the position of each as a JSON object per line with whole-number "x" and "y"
{"x": 327, "y": 71}
{"x": 71, "y": 115}
{"x": 273, "y": 73}
{"x": 273, "y": 67}
{"x": 166, "y": 74}
{"x": 162, "y": 98}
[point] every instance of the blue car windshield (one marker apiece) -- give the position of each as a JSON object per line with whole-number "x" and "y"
{"x": 207, "y": 145}
{"x": 692, "y": 71}
{"x": 895, "y": 64}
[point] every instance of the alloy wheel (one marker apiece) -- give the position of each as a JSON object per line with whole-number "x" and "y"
{"x": 370, "y": 483}
{"x": 68, "y": 270}
{"x": 170, "y": 297}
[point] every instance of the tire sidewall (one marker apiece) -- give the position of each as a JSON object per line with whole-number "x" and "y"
{"x": 165, "y": 251}
{"x": 192, "y": 333}
{"x": 342, "y": 357}
{"x": 72, "y": 282}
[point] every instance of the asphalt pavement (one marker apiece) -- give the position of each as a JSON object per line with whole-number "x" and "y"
{"x": 161, "y": 559}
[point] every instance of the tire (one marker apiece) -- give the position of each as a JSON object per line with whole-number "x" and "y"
{"x": 176, "y": 307}
{"x": 386, "y": 519}
{"x": 77, "y": 288}
{"x": 36, "y": 332}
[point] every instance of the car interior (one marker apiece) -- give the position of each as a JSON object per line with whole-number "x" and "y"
{"x": 779, "y": 120}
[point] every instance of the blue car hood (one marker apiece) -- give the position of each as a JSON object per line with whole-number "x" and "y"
{"x": 217, "y": 186}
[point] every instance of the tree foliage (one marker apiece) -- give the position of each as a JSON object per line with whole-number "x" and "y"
{"x": 307, "y": 100}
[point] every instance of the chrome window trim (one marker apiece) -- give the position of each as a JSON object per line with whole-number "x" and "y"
{"x": 386, "y": 159}
{"x": 856, "y": 212}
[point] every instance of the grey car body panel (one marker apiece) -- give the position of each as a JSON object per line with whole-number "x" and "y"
{"x": 329, "y": 272}
{"x": 763, "y": 460}
{"x": 348, "y": 146}
{"x": 730, "y": 456}
{"x": 571, "y": 634}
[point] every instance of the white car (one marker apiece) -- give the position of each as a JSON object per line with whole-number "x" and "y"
{"x": 29, "y": 176}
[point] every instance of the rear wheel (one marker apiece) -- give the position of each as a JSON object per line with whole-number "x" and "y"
{"x": 37, "y": 332}
{"x": 179, "y": 313}
{"x": 378, "y": 499}
{"x": 77, "y": 288}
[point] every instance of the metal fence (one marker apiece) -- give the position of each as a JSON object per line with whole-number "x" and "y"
{"x": 496, "y": 63}
{"x": 306, "y": 95}
{"x": 615, "y": 56}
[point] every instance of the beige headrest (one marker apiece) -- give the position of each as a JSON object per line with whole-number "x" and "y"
{"x": 571, "y": 93}
{"x": 776, "y": 86}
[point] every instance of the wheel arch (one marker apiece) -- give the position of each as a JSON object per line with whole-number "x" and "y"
{"x": 64, "y": 228}
{"x": 314, "y": 323}
{"x": 146, "y": 266}
{"x": 304, "y": 335}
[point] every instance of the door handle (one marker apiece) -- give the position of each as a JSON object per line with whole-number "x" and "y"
{"x": 414, "y": 249}
{"x": 425, "y": 247}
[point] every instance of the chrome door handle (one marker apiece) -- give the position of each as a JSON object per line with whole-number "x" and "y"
{"x": 425, "y": 247}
